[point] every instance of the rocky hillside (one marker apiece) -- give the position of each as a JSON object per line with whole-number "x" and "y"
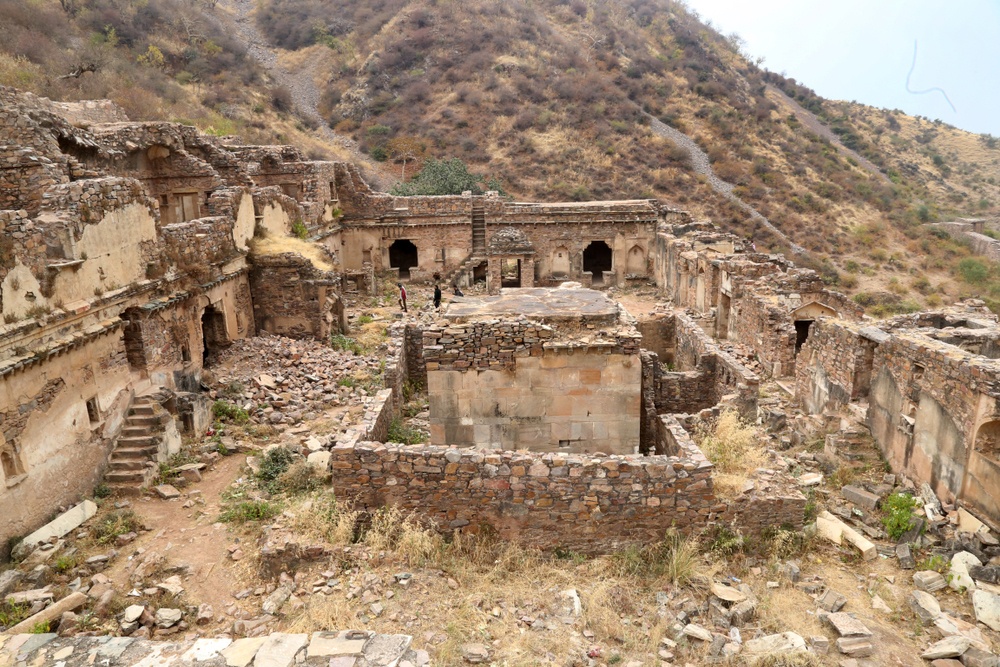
{"x": 556, "y": 99}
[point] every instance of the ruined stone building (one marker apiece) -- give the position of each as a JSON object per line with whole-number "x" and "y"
{"x": 130, "y": 252}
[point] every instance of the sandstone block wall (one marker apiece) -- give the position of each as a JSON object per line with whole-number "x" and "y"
{"x": 293, "y": 298}
{"x": 587, "y": 504}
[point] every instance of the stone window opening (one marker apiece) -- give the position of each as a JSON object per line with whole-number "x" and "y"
{"x": 479, "y": 272}
{"x": 213, "y": 332}
{"x": 93, "y": 412}
{"x": 597, "y": 258}
{"x": 10, "y": 462}
{"x": 988, "y": 440}
{"x": 403, "y": 256}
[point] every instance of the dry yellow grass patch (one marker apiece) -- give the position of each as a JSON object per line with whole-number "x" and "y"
{"x": 275, "y": 245}
{"x": 735, "y": 448}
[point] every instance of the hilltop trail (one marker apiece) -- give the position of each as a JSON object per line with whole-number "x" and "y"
{"x": 814, "y": 124}
{"x": 301, "y": 83}
{"x": 702, "y": 165}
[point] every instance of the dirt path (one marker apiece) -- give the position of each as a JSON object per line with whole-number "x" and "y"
{"x": 702, "y": 165}
{"x": 814, "y": 124}
{"x": 301, "y": 83}
{"x": 189, "y": 536}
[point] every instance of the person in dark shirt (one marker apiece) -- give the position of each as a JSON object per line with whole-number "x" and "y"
{"x": 437, "y": 296}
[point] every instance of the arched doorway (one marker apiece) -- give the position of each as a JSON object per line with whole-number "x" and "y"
{"x": 213, "y": 332}
{"x": 597, "y": 260}
{"x": 636, "y": 262}
{"x": 402, "y": 256}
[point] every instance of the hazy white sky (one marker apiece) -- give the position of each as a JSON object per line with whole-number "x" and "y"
{"x": 863, "y": 49}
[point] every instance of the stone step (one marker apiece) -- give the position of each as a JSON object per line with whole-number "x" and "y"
{"x": 144, "y": 420}
{"x": 126, "y": 465}
{"x": 124, "y": 488}
{"x": 134, "y": 453}
{"x": 136, "y": 440}
{"x": 141, "y": 409}
{"x": 126, "y": 476}
{"x": 137, "y": 431}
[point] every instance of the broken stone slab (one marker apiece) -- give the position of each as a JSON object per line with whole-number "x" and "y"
{"x": 166, "y": 618}
{"x": 831, "y": 600}
{"x": 905, "y": 557}
{"x": 320, "y": 461}
{"x": 727, "y": 593}
{"x": 171, "y": 585}
{"x": 810, "y": 479}
{"x": 242, "y": 651}
{"x": 132, "y": 613}
{"x": 925, "y": 606}
{"x": 276, "y": 600}
{"x": 949, "y": 647}
{"x": 385, "y": 650}
{"x": 71, "y": 602}
{"x": 846, "y": 625}
{"x": 949, "y": 626}
{"x": 855, "y": 647}
{"x": 167, "y": 492}
{"x": 967, "y": 523}
{"x": 279, "y": 650}
{"x": 836, "y": 531}
{"x": 988, "y": 573}
{"x": 68, "y": 521}
{"x": 987, "y": 608}
{"x": 475, "y": 653}
{"x": 9, "y": 579}
{"x": 783, "y": 642}
{"x": 32, "y": 596}
{"x": 333, "y": 644}
{"x": 977, "y": 657}
{"x": 960, "y": 563}
{"x": 204, "y": 650}
{"x": 696, "y": 631}
{"x": 859, "y": 496}
{"x": 928, "y": 580}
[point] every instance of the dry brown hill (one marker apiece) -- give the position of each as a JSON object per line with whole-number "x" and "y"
{"x": 556, "y": 99}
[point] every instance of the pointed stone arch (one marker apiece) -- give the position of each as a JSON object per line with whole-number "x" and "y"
{"x": 635, "y": 261}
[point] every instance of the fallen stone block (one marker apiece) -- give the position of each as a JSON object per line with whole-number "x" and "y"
{"x": 167, "y": 492}
{"x": 727, "y": 593}
{"x": 988, "y": 573}
{"x": 697, "y": 632}
{"x": 949, "y": 647}
{"x": 855, "y": 647}
{"x": 987, "y": 607}
{"x": 71, "y": 602}
{"x": 782, "y": 642}
{"x": 960, "y": 563}
{"x": 831, "y": 600}
{"x": 905, "y": 557}
{"x": 977, "y": 657}
{"x": 925, "y": 606}
{"x": 928, "y": 580}
{"x": 68, "y": 521}
{"x": 846, "y": 625}
{"x": 858, "y": 496}
{"x": 836, "y": 531}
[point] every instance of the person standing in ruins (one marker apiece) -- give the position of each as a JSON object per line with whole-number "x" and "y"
{"x": 437, "y": 296}
{"x": 402, "y": 296}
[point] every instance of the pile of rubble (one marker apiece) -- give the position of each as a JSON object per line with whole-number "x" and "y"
{"x": 287, "y": 381}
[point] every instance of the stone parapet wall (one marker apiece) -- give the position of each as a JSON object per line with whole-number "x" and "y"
{"x": 85, "y": 202}
{"x": 831, "y": 369}
{"x": 583, "y": 503}
{"x": 496, "y": 344}
{"x": 694, "y": 349}
{"x": 199, "y": 243}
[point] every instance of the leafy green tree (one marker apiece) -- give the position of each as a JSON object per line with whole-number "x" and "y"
{"x": 446, "y": 177}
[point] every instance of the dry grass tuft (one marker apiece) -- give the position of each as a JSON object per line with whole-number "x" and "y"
{"x": 734, "y": 446}
{"x": 321, "y": 517}
{"x": 276, "y": 245}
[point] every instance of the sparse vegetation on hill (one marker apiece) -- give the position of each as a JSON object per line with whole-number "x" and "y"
{"x": 554, "y": 98}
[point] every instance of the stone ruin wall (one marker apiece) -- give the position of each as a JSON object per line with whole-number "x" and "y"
{"x": 293, "y": 298}
{"x": 512, "y": 383}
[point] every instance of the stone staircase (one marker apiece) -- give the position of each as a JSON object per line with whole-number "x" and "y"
{"x": 140, "y": 446}
{"x": 478, "y": 230}
{"x": 466, "y": 266}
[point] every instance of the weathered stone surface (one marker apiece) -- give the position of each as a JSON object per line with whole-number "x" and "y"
{"x": 846, "y": 625}
{"x": 779, "y": 643}
{"x": 928, "y": 580}
{"x": 58, "y": 527}
{"x": 987, "y": 608}
{"x": 698, "y": 632}
{"x": 831, "y": 600}
{"x": 925, "y": 606}
{"x": 332, "y": 644}
{"x": 166, "y": 618}
{"x": 949, "y": 647}
{"x": 977, "y": 657}
{"x": 856, "y": 647}
{"x": 858, "y": 496}
{"x": 727, "y": 593}
{"x": 960, "y": 563}
{"x": 904, "y": 556}
{"x": 167, "y": 492}
{"x": 242, "y": 651}
{"x": 279, "y": 650}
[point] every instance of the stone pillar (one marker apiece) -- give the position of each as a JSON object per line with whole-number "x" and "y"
{"x": 493, "y": 275}
{"x": 528, "y": 271}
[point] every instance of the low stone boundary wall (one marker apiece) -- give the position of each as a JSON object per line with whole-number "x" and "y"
{"x": 588, "y": 504}
{"x": 275, "y": 650}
